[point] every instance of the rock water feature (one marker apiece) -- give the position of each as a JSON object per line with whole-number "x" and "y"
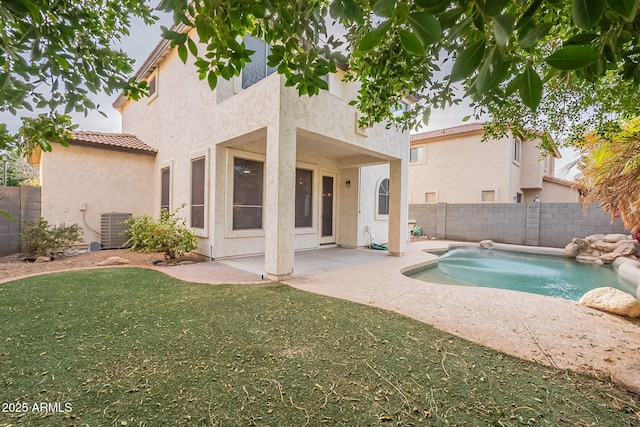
{"x": 605, "y": 249}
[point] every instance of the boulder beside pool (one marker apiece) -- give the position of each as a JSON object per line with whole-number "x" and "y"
{"x": 486, "y": 243}
{"x": 611, "y": 300}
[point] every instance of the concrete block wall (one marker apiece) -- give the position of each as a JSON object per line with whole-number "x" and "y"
{"x": 23, "y": 204}
{"x": 479, "y": 221}
{"x": 560, "y": 222}
{"x": 532, "y": 224}
{"x": 425, "y": 211}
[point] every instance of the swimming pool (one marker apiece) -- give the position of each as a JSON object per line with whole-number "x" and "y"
{"x": 539, "y": 274}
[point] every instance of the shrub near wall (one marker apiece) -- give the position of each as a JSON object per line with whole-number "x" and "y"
{"x": 533, "y": 224}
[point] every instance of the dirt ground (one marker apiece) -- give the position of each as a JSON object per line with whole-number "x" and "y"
{"x": 14, "y": 266}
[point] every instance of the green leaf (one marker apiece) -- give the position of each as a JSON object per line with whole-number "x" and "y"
{"x": 530, "y": 38}
{"x": 426, "y": 116}
{"x": 410, "y": 42}
{"x": 503, "y": 28}
{"x": 491, "y": 73}
{"x": 528, "y": 14}
{"x": 572, "y": 57}
{"x": 582, "y": 38}
{"x": 373, "y": 38}
{"x": 62, "y": 62}
{"x": 169, "y": 34}
{"x": 586, "y": 13}
{"x": 336, "y": 10}
{"x": 468, "y": 61}
{"x": 433, "y": 6}
{"x": 625, "y": 8}
{"x": 513, "y": 85}
{"x": 212, "y": 79}
{"x": 491, "y": 7}
{"x": 351, "y": 10}
{"x": 192, "y": 46}
{"x": 531, "y": 88}
{"x": 426, "y": 27}
{"x": 384, "y": 7}
{"x": 183, "y": 53}
{"x": 598, "y": 68}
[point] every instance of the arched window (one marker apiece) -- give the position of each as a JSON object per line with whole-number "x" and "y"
{"x": 383, "y": 197}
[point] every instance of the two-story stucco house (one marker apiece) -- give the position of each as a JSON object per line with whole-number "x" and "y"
{"x": 258, "y": 169}
{"x": 453, "y": 165}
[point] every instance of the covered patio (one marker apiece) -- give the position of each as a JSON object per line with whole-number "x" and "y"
{"x": 319, "y": 192}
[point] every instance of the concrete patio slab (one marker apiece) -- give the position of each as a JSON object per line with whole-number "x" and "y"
{"x": 312, "y": 261}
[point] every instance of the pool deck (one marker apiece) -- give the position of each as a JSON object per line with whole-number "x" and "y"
{"x": 547, "y": 330}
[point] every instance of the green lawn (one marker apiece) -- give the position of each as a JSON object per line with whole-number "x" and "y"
{"x": 134, "y": 347}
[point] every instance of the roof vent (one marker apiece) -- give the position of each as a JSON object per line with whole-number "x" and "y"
{"x": 111, "y": 227}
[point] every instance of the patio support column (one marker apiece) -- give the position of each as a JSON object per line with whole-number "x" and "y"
{"x": 398, "y": 206}
{"x": 279, "y": 217}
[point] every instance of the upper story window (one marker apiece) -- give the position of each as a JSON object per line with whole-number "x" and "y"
{"x": 417, "y": 154}
{"x": 152, "y": 82}
{"x": 517, "y": 145}
{"x": 488, "y": 196}
{"x": 548, "y": 165}
{"x": 400, "y": 108}
{"x": 430, "y": 197}
{"x": 257, "y": 69}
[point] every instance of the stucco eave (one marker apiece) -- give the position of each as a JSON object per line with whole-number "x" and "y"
{"x": 153, "y": 61}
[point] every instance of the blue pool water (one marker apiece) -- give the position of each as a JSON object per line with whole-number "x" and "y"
{"x": 539, "y": 274}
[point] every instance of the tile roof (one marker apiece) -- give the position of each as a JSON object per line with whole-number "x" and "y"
{"x": 456, "y": 130}
{"x": 121, "y": 141}
{"x": 560, "y": 181}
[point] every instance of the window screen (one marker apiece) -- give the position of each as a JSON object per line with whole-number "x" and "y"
{"x": 416, "y": 154}
{"x": 153, "y": 86}
{"x": 165, "y": 191}
{"x": 304, "y": 185}
{"x": 247, "y": 194}
{"x": 197, "y": 192}
{"x": 516, "y": 150}
{"x": 257, "y": 69}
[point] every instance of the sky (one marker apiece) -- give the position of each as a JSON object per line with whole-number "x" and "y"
{"x": 143, "y": 38}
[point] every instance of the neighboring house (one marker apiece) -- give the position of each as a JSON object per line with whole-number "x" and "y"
{"x": 97, "y": 174}
{"x": 258, "y": 168}
{"x": 453, "y": 165}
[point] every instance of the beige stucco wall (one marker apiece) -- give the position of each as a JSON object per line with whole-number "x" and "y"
{"x": 534, "y": 166}
{"x": 557, "y": 193}
{"x": 459, "y": 169}
{"x": 104, "y": 181}
{"x": 187, "y": 120}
